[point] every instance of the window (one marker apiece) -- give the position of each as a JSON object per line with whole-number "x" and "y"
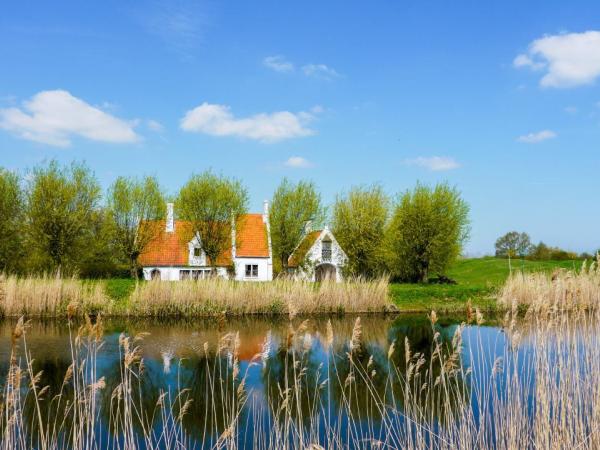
{"x": 200, "y": 274}
{"x": 155, "y": 274}
{"x": 251, "y": 270}
{"x": 326, "y": 251}
{"x": 196, "y": 252}
{"x": 184, "y": 274}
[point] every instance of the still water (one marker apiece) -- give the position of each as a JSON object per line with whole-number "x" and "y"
{"x": 208, "y": 359}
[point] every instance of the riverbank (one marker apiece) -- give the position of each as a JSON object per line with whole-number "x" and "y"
{"x": 479, "y": 282}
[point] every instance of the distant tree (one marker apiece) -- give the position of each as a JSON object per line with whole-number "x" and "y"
{"x": 212, "y": 203}
{"x": 11, "y": 221}
{"x": 543, "y": 252}
{"x": 427, "y": 232}
{"x": 61, "y": 202}
{"x": 513, "y": 244}
{"x": 292, "y": 207}
{"x": 359, "y": 221}
{"x": 133, "y": 206}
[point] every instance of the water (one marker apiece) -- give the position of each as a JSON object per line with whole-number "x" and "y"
{"x": 271, "y": 357}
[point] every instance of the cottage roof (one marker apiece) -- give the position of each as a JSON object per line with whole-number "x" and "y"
{"x": 299, "y": 254}
{"x": 171, "y": 249}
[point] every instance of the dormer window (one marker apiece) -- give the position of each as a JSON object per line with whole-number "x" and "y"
{"x": 197, "y": 251}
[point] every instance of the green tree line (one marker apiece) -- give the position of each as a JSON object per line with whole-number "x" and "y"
{"x": 57, "y": 219}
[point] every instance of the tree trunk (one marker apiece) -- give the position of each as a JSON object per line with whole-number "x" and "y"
{"x": 133, "y": 268}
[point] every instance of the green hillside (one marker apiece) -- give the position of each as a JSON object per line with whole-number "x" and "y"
{"x": 478, "y": 279}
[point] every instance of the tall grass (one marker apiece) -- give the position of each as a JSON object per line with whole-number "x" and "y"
{"x": 49, "y": 296}
{"x": 561, "y": 290}
{"x": 216, "y": 295}
{"x": 541, "y": 391}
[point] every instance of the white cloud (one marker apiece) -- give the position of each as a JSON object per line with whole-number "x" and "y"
{"x": 217, "y": 120}
{"x": 534, "y": 138}
{"x": 278, "y": 64}
{"x": 54, "y": 117}
{"x": 154, "y": 125}
{"x": 434, "y": 163}
{"x": 320, "y": 71}
{"x": 298, "y": 162}
{"x": 568, "y": 59}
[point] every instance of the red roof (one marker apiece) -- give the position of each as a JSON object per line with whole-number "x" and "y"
{"x": 171, "y": 249}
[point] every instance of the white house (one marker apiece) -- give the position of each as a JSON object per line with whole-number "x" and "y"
{"x": 318, "y": 257}
{"x": 176, "y": 253}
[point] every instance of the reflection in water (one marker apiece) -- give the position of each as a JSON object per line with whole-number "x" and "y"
{"x": 228, "y": 380}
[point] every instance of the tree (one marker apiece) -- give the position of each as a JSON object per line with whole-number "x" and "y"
{"x": 513, "y": 244}
{"x": 292, "y": 207}
{"x": 134, "y": 206}
{"x": 359, "y": 221}
{"x": 211, "y": 203}
{"x": 427, "y": 232}
{"x": 11, "y": 221}
{"x": 61, "y": 202}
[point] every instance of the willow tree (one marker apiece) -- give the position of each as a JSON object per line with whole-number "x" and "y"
{"x": 134, "y": 207}
{"x": 427, "y": 232}
{"x": 359, "y": 221}
{"x": 293, "y": 207}
{"x": 61, "y": 206}
{"x": 11, "y": 221}
{"x": 212, "y": 203}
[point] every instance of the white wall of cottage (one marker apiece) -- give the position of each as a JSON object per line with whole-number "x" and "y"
{"x": 314, "y": 258}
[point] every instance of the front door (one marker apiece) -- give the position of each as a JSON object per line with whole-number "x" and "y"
{"x": 325, "y": 272}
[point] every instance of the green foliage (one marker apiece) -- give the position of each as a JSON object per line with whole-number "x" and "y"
{"x": 133, "y": 206}
{"x": 211, "y": 203}
{"x": 11, "y": 221}
{"x": 543, "y": 252}
{"x": 61, "y": 204}
{"x": 120, "y": 289}
{"x": 513, "y": 244}
{"x": 359, "y": 221}
{"x": 292, "y": 207}
{"x": 427, "y": 232}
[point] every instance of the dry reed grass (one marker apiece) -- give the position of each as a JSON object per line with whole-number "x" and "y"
{"x": 49, "y": 296}
{"x": 561, "y": 290}
{"x": 216, "y": 296}
{"x": 52, "y": 296}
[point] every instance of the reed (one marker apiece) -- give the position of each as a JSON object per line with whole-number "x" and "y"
{"x": 541, "y": 391}
{"x": 49, "y": 296}
{"x": 561, "y": 290}
{"x": 217, "y": 296}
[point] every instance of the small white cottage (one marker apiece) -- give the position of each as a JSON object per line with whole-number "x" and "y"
{"x": 176, "y": 253}
{"x": 319, "y": 257}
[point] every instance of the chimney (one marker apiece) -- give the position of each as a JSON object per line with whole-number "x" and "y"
{"x": 266, "y": 211}
{"x": 170, "y": 225}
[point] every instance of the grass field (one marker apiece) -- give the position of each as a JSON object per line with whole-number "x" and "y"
{"x": 478, "y": 280}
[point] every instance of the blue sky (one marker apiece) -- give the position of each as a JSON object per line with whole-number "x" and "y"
{"x": 500, "y": 100}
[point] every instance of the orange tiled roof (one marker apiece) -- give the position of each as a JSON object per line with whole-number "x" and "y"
{"x": 300, "y": 253}
{"x": 171, "y": 249}
{"x": 252, "y": 238}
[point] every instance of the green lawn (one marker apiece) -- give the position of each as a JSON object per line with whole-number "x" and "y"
{"x": 478, "y": 280}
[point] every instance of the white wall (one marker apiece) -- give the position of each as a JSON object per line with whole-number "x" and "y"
{"x": 172, "y": 273}
{"x": 265, "y": 269}
{"x": 314, "y": 258}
